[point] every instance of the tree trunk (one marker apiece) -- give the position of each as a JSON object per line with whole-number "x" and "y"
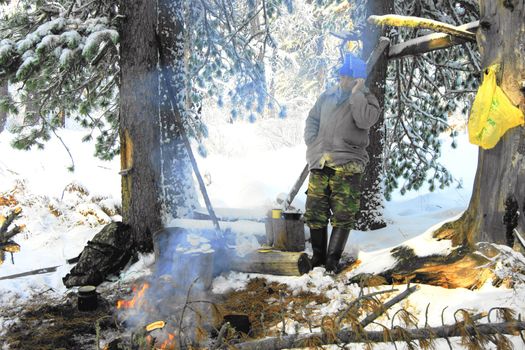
{"x": 139, "y": 121}
{"x": 179, "y": 197}
{"x": 370, "y": 215}
{"x": 3, "y": 115}
{"x": 500, "y": 175}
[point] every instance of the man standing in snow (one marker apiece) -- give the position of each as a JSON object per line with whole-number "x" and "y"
{"x": 336, "y": 135}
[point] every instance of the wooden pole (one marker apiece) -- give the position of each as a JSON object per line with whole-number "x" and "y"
{"x": 428, "y": 43}
{"x": 424, "y": 23}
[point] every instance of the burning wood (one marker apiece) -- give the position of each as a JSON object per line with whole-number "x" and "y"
{"x": 137, "y": 300}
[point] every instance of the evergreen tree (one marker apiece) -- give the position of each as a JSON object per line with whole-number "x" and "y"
{"x": 67, "y": 56}
{"x": 64, "y": 55}
{"x": 422, "y": 92}
{"x": 63, "y": 58}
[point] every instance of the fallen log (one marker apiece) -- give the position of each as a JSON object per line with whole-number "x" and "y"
{"x": 346, "y": 336}
{"x": 459, "y": 269}
{"x": 273, "y": 262}
{"x": 423, "y": 23}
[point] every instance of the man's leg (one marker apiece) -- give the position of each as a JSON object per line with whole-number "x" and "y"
{"x": 345, "y": 203}
{"x": 317, "y": 214}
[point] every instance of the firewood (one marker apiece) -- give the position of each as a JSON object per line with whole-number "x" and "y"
{"x": 273, "y": 262}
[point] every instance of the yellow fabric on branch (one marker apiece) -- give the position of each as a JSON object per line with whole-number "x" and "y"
{"x": 492, "y": 113}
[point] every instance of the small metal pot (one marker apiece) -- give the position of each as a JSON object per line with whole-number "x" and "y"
{"x": 241, "y": 323}
{"x": 87, "y": 298}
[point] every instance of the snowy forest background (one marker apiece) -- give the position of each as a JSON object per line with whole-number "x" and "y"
{"x": 247, "y": 74}
{"x": 268, "y": 66}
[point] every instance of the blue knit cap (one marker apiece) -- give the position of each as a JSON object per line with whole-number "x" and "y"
{"x": 353, "y": 67}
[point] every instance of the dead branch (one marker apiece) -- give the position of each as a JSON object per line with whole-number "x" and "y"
{"x": 10, "y": 234}
{"x": 348, "y": 336}
{"x": 357, "y": 301}
{"x": 220, "y": 337}
{"x": 4, "y": 235}
{"x": 424, "y": 23}
{"x": 373, "y": 316}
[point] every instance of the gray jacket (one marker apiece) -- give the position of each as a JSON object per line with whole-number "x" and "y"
{"x": 337, "y": 128}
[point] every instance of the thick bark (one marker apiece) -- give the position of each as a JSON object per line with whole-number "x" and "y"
{"x": 500, "y": 173}
{"x": 370, "y": 215}
{"x": 139, "y": 121}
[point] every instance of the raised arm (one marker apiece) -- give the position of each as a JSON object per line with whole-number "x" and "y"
{"x": 365, "y": 109}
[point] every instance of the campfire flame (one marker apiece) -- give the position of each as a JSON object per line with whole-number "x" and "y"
{"x": 168, "y": 344}
{"x": 137, "y": 302}
{"x": 137, "y": 298}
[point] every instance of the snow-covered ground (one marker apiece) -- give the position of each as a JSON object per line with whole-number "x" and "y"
{"x": 242, "y": 184}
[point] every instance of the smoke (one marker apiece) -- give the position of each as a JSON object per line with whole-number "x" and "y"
{"x": 178, "y": 291}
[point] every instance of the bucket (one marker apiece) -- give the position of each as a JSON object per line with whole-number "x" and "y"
{"x": 286, "y": 232}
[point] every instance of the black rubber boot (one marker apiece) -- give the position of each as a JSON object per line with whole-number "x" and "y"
{"x": 335, "y": 248}
{"x": 318, "y": 237}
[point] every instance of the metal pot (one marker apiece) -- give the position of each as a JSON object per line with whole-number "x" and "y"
{"x": 87, "y": 298}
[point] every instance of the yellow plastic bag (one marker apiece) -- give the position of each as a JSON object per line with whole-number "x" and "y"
{"x": 492, "y": 113}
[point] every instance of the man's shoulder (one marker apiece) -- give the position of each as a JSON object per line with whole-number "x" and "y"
{"x": 327, "y": 93}
{"x": 330, "y": 91}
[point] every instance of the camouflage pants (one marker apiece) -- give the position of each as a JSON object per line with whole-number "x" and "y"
{"x": 332, "y": 195}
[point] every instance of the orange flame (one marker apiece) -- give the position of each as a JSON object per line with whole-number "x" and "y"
{"x": 168, "y": 344}
{"x": 137, "y": 299}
